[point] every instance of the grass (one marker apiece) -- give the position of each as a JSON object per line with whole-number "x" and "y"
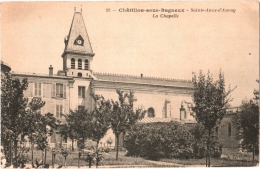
{"x": 109, "y": 159}
{"x": 131, "y": 162}
{"x": 213, "y": 162}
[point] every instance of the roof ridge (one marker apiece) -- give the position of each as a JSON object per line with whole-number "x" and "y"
{"x": 144, "y": 77}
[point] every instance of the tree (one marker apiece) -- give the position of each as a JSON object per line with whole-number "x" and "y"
{"x": 68, "y": 132}
{"x": 13, "y": 109}
{"x": 123, "y": 116}
{"x": 247, "y": 124}
{"x": 36, "y": 126}
{"x": 100, "y": 119}
{"x": 79, "y": 124}
{"x": 211, "y": 101}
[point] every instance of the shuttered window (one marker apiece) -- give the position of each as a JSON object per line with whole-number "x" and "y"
{"x": 58, "y": 111}
{"x": 59, "y": 90}
{"x": 37, "y": 89}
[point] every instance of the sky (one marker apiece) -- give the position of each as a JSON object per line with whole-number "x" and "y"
{"x": 32, "y": 39}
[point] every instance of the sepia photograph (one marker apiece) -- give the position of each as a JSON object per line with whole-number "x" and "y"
{"x": 130, "y": 84}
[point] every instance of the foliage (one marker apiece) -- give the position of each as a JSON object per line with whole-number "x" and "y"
{"x": 94, "y": 156}
{"x": 247, "y": 124}
{"x": 22, "y": 157}
{"x": 159, "y": 140}
{"x": 211, "y": 101}
{"x": 123, "y": 116}
{"x": 100, "y": 118}
{"x": 64, "y": 152}
{"x": 200, "y": 139}
{"x": 13, "y": 106}
{"x": 79, "y": 125}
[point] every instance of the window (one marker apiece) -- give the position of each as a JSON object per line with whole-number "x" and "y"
{"x": 86, "y": 64}
{"x": 59, "y": 90}
{"x": 81, "y": 108}
{"x": 229, "y": 129}
{"x": 72, "y": 63}
{"x": 58, "y": 111}
{"x": 79, "y": 74}
{"x": 79, "y": 64}
{"x": 81, "y": 91}
{"x": 37, "y": 89}
{"x": 151, "y": 112}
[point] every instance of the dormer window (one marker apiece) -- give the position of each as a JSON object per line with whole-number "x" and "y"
{"x": 79, "y": 41}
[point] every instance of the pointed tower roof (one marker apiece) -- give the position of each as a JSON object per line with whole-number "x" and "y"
{"x": 78, "y": 41}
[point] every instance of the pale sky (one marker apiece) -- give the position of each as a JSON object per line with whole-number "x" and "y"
{"x": 32, "y": 39}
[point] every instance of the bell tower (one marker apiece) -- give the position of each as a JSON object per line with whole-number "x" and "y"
{"x": 78, "y": 53}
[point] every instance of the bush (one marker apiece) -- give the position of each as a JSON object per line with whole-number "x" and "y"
{"x": 106, "y": 150}
{"x": 159, "y": 140}
{"x": 200, "y": 139}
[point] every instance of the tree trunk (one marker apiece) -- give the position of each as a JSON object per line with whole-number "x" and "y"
{"x": 97, "y": 155}
{"x": 45, "y": 156}
{"x": 78, "y": 159}
{"x": 207, "y": 159}
{"x": 117, "y": 142}
{"x": 72, "y": 144}
{"x": 11, "y": 152}
{"x": 15, "y": 151}
{"x": 65, "y": 158}
{"x": 32, "y": 154}
{"x": 253, "y": 152}
{"x": 89, "y": 163}
{"x": 208, "y": 152}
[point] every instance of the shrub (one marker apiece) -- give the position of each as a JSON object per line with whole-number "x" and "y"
{"x": 200, "y": 139}
{"x": 159, "y": 140}
{"x": 106, "y": 150}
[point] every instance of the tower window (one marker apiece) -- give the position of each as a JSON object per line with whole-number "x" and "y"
{"x": 72, "y": 63}
{"x": 86, "y": 64}
{"x": 79, "y": 74}
{"x": 229, "y": 129}
{"x": 151, "y": 112}
{"x": 79, "y": 64}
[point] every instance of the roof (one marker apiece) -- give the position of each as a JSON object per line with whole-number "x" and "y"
{"x": 143, "y": 80}
{"x": 78, "y": 30}
{"x": 24, "y": 74}
{"x": 163, "y": 120}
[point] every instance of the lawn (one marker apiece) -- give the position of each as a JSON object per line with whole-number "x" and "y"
{"x": 109, "y": 159}
{"x": 131, "y": 162}
{"x": 213, "y": 162}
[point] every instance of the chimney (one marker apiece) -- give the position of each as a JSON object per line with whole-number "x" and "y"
{"x": 50, "y": 70}
{"x": 141, "y": 76}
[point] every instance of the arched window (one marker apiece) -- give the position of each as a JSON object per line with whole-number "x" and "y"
{"x": 86, "y": 64}
{"x": 151, "y": 112}
{"x": 72, "y": 63}
{"x": 229, "y": 129}
{"x": 79, "y": 74}
{"x": 79, "y": 64}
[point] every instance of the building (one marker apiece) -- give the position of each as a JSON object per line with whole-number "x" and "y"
{"x": 70, "y": 88}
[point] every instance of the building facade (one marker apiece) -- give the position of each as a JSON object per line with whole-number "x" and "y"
{"x": 69, "y": 89}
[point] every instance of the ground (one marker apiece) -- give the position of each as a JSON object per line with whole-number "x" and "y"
{"x": 132, "y": 162}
